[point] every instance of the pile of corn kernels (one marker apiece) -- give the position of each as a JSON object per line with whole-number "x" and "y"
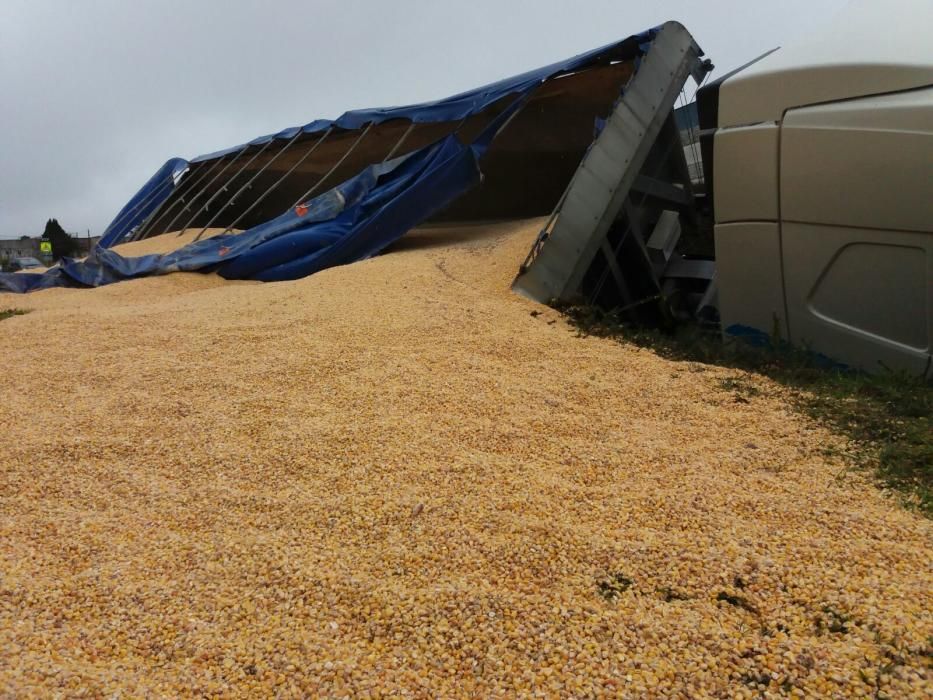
{"x": 397, "y": 478}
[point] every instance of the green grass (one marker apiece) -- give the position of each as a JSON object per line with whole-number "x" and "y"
{"x": 9, "y": 313}
{"x": 887, "y": 416}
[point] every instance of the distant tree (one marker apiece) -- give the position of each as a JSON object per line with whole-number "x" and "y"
{"x": 62, "y": 244}
{"x": 24, "y": 238}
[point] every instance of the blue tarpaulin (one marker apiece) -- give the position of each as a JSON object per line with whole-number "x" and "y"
{"x": 354, "y": 220}
{"x": 157, "y": 189}
{"x": 350, "y": 222}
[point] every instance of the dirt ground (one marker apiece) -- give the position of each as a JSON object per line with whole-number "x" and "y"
{"x": 399, "y": 478}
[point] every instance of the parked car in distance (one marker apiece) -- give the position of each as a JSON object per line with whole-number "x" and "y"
{"x": 25, "y": 263}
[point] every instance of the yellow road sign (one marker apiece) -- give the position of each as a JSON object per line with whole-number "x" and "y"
{"x": 45, "y": 246}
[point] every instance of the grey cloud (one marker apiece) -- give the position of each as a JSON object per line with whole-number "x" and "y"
{"x": 97, "y": 94}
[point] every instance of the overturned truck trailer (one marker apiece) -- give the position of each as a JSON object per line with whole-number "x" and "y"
{"x": 616, "y": 237}
{"x": 334, "y": 191}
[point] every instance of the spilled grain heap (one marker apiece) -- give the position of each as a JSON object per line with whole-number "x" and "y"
{"x": 393, "y": 477}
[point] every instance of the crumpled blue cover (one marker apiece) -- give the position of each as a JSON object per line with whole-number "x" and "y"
{"x": 157, "y": 189}
{"x": 354, "y": 220}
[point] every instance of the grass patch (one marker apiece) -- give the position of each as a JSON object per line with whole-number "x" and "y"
{"x": 9, "y": 313}
{"x": 887, "y": 416}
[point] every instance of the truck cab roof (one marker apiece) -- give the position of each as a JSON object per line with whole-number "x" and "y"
{"x": 857, "y": 54}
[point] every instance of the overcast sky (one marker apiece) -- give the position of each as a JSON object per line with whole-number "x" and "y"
{"x": 96, "y": 94}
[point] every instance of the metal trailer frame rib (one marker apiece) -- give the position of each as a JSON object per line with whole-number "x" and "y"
{"x": 633, "y": 227}
{"x": 193, "y": 195}
{"x": 148, "y": 219}
{"x": 182, "y": 198}
{"x": 122, "y": 218}
{"x": 398, "y": 144}
{"x": 404, "y": 137}
{"x": 275, "y": 184}
{"x": 603, "y": 181}
{"x": 158, "y": 215}
{"x": 168, "y": 204}
{"x": 204, "y": 189}
{"x": 246, "y": 185}
{"x": 333, "y": 169}
{"x": 224, "y": 189}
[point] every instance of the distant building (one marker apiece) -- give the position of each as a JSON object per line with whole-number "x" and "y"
{"x": 84, "y": 244}
{"x": 19, "y": 248}
{"x": 29, "y": 247}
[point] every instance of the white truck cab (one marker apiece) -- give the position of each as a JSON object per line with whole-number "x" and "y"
{"x": 819, "y": 160}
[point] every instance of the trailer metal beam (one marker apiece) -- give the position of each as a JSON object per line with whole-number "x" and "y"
{"x": 187, "y": 185}
{"x": 660, "y": 189}
{"x": 603, "y": 182}
{"x": 122, "y": 218}
{"x": 398, "y": 144}
{"x": 205, "y": 188}
{"x": 249, "y": 182}
{"x": 304, "y": 197}
{"x": 224, "y": 189}
{"x": 278, "y": 182}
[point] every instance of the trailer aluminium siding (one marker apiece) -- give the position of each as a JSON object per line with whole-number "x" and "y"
{"x": 612, "y": 239}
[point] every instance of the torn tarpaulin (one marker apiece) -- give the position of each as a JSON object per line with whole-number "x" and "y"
{"x": 355, "y": 220}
